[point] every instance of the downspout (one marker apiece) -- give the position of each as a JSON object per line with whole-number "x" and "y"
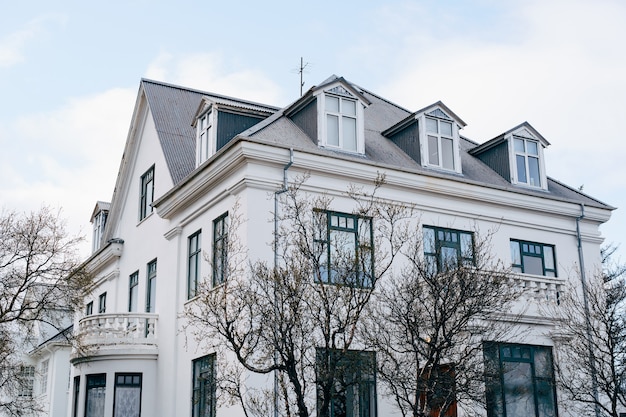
{"x": 276, "y": 194}
{"x": 583, "y": 279}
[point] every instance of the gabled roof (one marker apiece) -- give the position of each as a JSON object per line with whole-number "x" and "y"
{"x": 500, "y": 138}
{"x": 437, "y": 109}
{"x": 100, "y": 206}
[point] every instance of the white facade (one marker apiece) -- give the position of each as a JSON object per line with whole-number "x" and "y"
{"x": 247, "y": 171}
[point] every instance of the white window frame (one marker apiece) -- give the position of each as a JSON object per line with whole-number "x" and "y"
{"x": 425, "y": 144}
{"x": 205, "y": 136}
{"x": 322, "y": 122}
{"x": 543, "y": 180}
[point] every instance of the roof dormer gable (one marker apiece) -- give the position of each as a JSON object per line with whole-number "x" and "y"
{"x": 233, "y": 116}
{"x": 517, "y": 155}
{"x": 431, "y": 137}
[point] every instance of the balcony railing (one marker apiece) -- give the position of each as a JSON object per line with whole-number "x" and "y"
{"x": 540, "y": 289}
{"x": 119, "y": 329}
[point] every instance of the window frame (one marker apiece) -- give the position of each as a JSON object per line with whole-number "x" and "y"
{"x": 439, "y": 243}
{"x": 342, "y": 116}
{"x": 102, "y": 303}
{"x": 324, "y": 229}
{"x": 151, "y": 276}
{"x": 26, "y": 381}
{"x": 76, "y": 393}
{"x": 132, "y": 384}
{"x": 526, "y": 156}
{"x": 350, "y": 365}
{"x": 146, "y": 192}
{"x": 520, "y": 268}
{"x": 202, "y": 370}
{"x": 495, "y": 356}
{"x": 43, "y": 377}
{"x": 205, "y": 134}
{"x": 220, "y": 249}
{"x": 194, "y": 258}
{"x": 94, "y": 381}
{"x": 133, "y": 292}
{"x": 440, "y": 137}
{"x": 89, "y": 309}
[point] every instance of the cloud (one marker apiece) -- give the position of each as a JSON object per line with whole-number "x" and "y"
{"x": 14, "y": 45}
{"x": 210, "y": 72}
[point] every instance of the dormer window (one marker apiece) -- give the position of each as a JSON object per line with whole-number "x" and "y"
{"x": 205, "y": 133}
{"x": 440, "y": 143}
{"x": 341, "y": 123}
{"x": 527, "y": 161}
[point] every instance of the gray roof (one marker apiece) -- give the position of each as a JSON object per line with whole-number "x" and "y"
{"x": 173, "y": 108}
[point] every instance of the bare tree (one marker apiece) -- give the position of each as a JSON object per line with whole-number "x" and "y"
{"x": 592, "y": 356}
{"x": 41, "y": 282}
{"x": 429, "y": 322}
{"x": 300, "y": 316}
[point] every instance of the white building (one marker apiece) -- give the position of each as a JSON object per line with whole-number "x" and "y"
{"x": 191, "y": 155}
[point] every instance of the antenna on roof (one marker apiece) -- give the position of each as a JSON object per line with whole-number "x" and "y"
{"x": 301, "y": 71}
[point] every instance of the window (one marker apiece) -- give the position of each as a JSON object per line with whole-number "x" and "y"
{"x": 527, "y": 161}
{"x": 127, "y": 397}
{"x": 345, "y": 245}
{"x": 99, "y": 222}
{"x": 203, "y": 398}
{"x": 205, "y": 137}
{"x": 151, "y": 293}
{"x": 341, "y": 123}
{"x": 519, "y": 380}
{"x": 75, "y": 399}
{"x": 96, "y": 390}
{"x": 133, "y": 292}
{"x": 351, "y": 377}
{"x": 220, "y": 249}
{"x": 26, "y": 381}
{"x": 445, "y": 248}
{"x": 193, "y": 263}
{"x": 533, "y": 258}
{"x": 440, "y": 135}
{"x": 102, "y": 303}
{"x": 147, "y": 193}
{"x": 43, "y": 375}
{"x": 89, "y": 309}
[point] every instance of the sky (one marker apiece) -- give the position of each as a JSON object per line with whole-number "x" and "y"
{"x": 70, "y": 72}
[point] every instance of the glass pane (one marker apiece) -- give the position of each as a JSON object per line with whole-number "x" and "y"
{"x": 127, "y": 401}
{"x": 548, "y": 257}
{"x": 446, "y": 128}
{"x": 467, "y": 250}
{"x": 447, "y": 153}
{"x": 429, "y": 240}
{"x": 543, "y": 363}
{"x": 349, "y": 107}
{"x": 531, "y": 148}
{"x": 519, "y": 145}
{"x": 521, "y": 168}
{"x": 516, "y": 258}
{"x": 333, "y": 130}
{"x": 433, "y": 150}
{"x": 533, "y": 171}
{"x": 332, "y": 104}
{"x": 518, "y": 389}
{"x": 95, "y": 402}
{"x": 132, "y": 304}
{"x": 431, "y": 126}
{"x": 349, "y": 134}
{"x": 449, "y": 258}
{"x": 533, "y": 265}
{"x": 545, "y": 399}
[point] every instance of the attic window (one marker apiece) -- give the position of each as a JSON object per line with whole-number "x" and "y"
{"x": 440, "y": 143}
{"x": 205, "y": 133}
{"x": 341, "y": 123}
{"x": 527, "y": 161}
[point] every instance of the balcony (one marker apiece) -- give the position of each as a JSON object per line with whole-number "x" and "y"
{"x": 116, "y": 334}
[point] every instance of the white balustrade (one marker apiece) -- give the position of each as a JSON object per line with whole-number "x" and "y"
{"x": 119, "y": 329}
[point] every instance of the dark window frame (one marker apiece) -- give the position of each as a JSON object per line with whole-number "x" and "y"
{"x": 76, "y": 393}
{"x": 220, "y": 249}
{"x": 447, "y": 238}
{"x": 496, "y": 354}
{"x": 133, "y": 291}
{"x": 533, "y": 250}
{"x": 151, "y": 276}
{"x": 203, "y": 386}
{"x": 134, "y": 376}
{"x": 146, "y": 193}
{"x": 194, "y": 257}
{"x": 353, "y": 370}
{"x": 361, "y": 273}
{"x": 102, "y": 303}
{"x": 89, "y": 308}
{"x": 94, "y": 381}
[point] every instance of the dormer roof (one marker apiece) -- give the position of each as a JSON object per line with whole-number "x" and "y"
{"x": 524, "y": 130}
{"x": 438, "y": 110}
